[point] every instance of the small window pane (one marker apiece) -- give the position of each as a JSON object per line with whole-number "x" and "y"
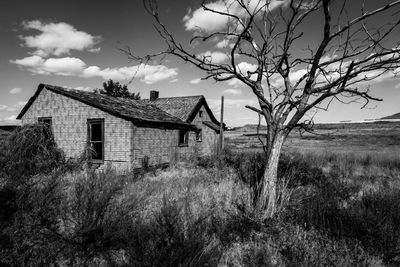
{"x": 183, "y": 137}
{"x": 198, "y": 136}
{"x": 96, "y": 132}
{"x": 97, "y": 151}
{"x": 47, "y": 122}
{"x": 95, "y": 139}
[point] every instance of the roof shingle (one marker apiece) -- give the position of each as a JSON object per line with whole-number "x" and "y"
{"x": 181, "y": 107}
{"x": 136, "y": 111}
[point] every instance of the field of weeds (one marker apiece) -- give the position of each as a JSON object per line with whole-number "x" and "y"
{"x": 381, "y": 138}
{"x": 334, "y": 210}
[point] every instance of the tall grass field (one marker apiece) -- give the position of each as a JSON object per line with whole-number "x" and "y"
{"x": 336, "y": 208}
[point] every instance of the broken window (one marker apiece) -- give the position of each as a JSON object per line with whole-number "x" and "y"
{"x": 183, "y": 137}
{"x": 96, "y": 138}
{"x": 47, "y": 122}
{"x": 199, "y": 136}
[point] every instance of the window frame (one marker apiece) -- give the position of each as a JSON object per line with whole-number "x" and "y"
{"x": 89, "y": 137}
{"x": 185, "y": 138}
{"x": 48, "y": 121}
{"x": 45, "y": 120}
{"x": 199, "y": 136}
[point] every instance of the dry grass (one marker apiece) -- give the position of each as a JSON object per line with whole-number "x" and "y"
{"x": 335, "y": 210}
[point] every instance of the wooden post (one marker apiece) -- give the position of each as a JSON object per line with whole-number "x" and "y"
{"x": 221, "y": 127}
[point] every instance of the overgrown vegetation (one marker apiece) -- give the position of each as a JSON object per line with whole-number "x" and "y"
{"x": 333, "y": 211}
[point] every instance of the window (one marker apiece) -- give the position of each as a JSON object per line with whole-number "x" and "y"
{"x": 96, "y": 138}
{"x": 200, "y": 114}
{"x": 199, "y": 136}
{"x": 183, "y": 137}
{"x": 47, "y": 122}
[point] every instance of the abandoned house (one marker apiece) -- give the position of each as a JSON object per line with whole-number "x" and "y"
{"x": 126, "y": 133}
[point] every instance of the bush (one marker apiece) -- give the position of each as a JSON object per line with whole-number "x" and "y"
{"x": 27, "y": 199}
{"x": 29, "y": 150}
{"x": 300, "y": 247}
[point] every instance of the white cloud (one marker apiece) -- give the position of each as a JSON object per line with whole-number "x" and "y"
{"x": 213, "y": 57}
{"x": 69, "y": 66}
{"x": 151, "y": 74}
{"x": 232, "y": 92}
{"x": 174, "y": 80}
{"x": 3, "y": 107}
{"x": 294, "y": 76}
{"x": 29, "y": 62}
{"x": 234, "y": 82}
{"x": 10, "y": 118}
{"x": 66, "y": 66}
{"x": 377, "y": 76}
{"x": 82, "y": 88}
{"x": 223, "y": 44}
{"x": 201, "y": 19}
{"x": 15, "y": 90}
{"x": 245, "y": 67}
{"x": 195, "y": 81}
{"x": 148, "y": 74}
{"x": 215, "y": 104}
{"x": 207, "y": 21}
{"x": 94, "y": 50}
{"x": 58, "y": 39}
{"x": 21, "y": 103}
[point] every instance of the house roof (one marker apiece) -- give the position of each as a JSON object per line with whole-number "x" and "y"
{"x": 184, "y": 107}
{"x": 181, "y": 107}
{"x": 139, "y": 112}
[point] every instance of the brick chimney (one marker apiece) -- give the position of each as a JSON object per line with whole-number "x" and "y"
{"x": 153, "y": 95}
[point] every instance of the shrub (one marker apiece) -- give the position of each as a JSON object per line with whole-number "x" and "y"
{"x": 28, "y": 199}
{"x": 170, "y": 239}
{"x": 29, "y": 150}
{"x": 300, "y": 247}
{"x": 93, "y": 216}
{"x": 30, "y": 229}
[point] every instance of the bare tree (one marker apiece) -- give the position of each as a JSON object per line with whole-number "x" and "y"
{"x": 264, "y": 38}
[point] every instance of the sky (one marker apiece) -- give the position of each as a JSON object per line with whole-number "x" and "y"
{"x": 77, "y": 44}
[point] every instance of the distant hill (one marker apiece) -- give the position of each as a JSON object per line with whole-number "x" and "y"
{"x": 392, "y": 117}
{"x": 251, "y": 128}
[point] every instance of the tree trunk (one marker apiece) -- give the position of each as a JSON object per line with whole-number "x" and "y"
{"x": 266, "y": 202}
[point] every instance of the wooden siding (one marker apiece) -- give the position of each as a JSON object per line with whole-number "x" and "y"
{"x": 69, "y": 123}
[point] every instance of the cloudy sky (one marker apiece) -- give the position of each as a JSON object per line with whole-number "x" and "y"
{"x": 76, "y": 44}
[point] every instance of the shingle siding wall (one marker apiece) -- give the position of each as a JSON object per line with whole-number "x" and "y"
{"x": 69, "y": 121}
{"x": 125, "y": 145}
{"x": 209, "y": 136}
{"x": 157, "y": 145}
{"x": 162, "y": 146}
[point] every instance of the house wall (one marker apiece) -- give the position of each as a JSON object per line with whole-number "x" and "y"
{"x": 69, "y": 123}
{"x": 209, "y": 136}
{"x": 157, "y": 145}
{"x": 125, "y": 145}
{"x": 162, "y": 146}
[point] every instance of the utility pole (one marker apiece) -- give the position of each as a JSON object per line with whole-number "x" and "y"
{"x": 221, "y": 127}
